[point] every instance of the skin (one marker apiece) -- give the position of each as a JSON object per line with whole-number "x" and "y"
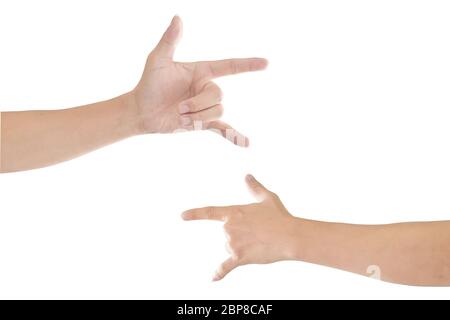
{"x": 174, "y": 96}
{"x": 170, "y": 96}
{"x": 414, "y": 253}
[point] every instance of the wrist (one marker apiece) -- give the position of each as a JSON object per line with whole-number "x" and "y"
{"x": 131, "y": 116}
{"x": 293, "y": 248}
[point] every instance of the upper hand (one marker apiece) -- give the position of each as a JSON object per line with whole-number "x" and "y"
{"x": 262, "y": 232}
{"x": 177, "y": 95}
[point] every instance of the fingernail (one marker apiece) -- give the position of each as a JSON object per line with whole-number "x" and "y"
{"x": 185, "y": 121}
{"x": 183, "y": 108}
{"x": 216, "y": 277}
{"x": 264, "y": 63}
{"x": 250, "y": 178}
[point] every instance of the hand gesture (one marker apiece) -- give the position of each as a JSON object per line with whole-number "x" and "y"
{"x": 175, "y": 96}
{"x": 257, "y": 233}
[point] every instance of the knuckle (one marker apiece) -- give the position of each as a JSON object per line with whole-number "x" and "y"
{"x": 219, "y": 93}
{"x": 211, "y": 69}
{"x": 233, "y": 66}
{"x": 274, "y": 196}
{"x": 192, "y": 104}
{"x": 219, "y": 110}
{"x": 210, "y": 212}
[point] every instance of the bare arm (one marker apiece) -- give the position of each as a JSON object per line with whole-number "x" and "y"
{"x": 416, "y": 253}
{"x": 33, "y": 139}
{"x": 170, "y": 96}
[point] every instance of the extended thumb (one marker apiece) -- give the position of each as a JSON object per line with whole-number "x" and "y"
{"x": 168, "y": 43}
{"x": 256, "y": 188}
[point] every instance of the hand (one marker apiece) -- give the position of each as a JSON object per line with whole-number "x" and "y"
{"x": 258, "y": 233}
{"x": 177, "y": 95}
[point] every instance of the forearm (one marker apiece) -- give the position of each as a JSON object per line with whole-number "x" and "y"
{"x": 33, "y": 139}
{"x": 407, "y": 253}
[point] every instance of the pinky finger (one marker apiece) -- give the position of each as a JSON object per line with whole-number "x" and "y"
{"x": 229, "y": 133}
{"x": 226, "y": 267}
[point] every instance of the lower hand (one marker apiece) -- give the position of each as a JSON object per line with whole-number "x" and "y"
{"x": 258, "y": 233}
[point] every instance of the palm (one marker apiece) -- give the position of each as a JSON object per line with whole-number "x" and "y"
{"x": 164, "y": 88}
{"x": 175, "y": 95}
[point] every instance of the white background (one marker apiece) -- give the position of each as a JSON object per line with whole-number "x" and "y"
{"x": 349, "y": 123}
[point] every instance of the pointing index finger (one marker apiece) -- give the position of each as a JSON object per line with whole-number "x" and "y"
{"x": 220, "y": 68}
{"x": 208, "y": 213}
